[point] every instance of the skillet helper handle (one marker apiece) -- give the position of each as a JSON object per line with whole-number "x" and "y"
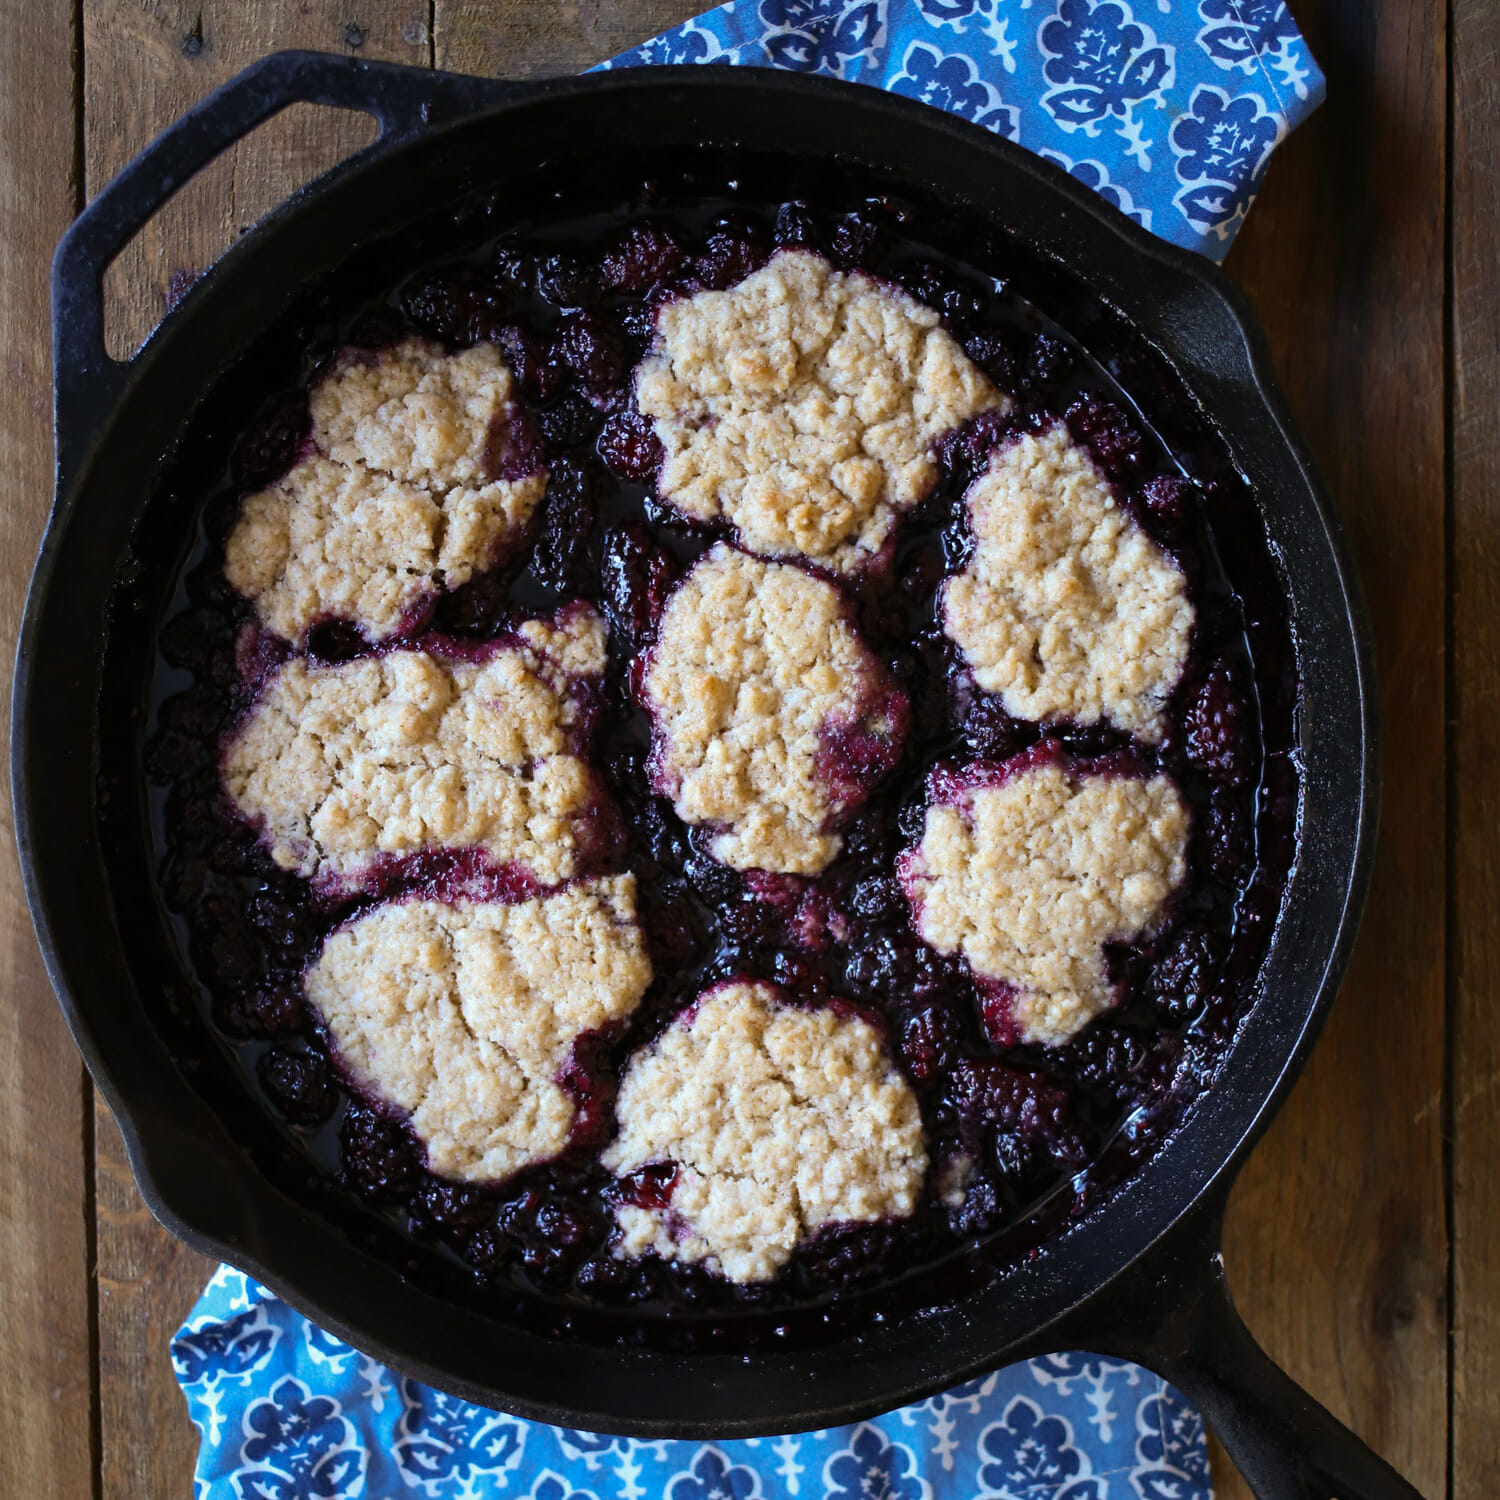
{"x": 402, "y": 99}
{"x": 1284, "y": 1443}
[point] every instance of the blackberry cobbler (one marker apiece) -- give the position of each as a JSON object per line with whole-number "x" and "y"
{"x": 722, "y": 775}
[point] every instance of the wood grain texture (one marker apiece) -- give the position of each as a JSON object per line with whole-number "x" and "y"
{"x": 1336, "y": 1243}
{"x": 513, "y": 39}
{"x": 147, "y": 1283}
{"x": 143, "y": 66}
{"x": 1475, "y": 714}
{"x": 45, "y": 1419}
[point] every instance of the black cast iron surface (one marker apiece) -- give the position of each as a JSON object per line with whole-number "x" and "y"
{"x": 1141, "y": 1276}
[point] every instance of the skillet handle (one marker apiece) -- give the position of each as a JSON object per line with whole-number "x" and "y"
{"x": 1183, "y": 1324}
{"x": 402, "y": 99}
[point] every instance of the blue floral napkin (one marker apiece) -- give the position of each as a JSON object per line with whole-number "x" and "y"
{"x": 288, "y": 1412}
{"x": 1170, "y": 109}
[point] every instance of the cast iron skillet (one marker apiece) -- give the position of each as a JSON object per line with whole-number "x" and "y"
{"x": 1141, "y": 1277}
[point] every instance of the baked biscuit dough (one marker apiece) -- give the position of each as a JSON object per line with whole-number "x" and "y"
{"x": 1066, "y": 609}
{"x": 1029, "y": 873}
{"x": 462, "y": 1015}
{"x": 802, "y": 406}
{"x": 402, "y": 497}
{"x": 387, "y": 755}
{"x": 781, "y": 1119}
{"x": 757, "y": 679}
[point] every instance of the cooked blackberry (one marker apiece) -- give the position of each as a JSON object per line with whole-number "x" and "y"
{"x": 1008, "y": 1112}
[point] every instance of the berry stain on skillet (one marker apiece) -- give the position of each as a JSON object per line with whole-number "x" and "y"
{"x": 790, "y": 690}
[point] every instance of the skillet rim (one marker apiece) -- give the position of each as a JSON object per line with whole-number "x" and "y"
{"x": 145, "y": 1152}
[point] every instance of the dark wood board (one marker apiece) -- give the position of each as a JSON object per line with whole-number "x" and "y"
{"x": 47, "y": 1431}
{"x": 1474, "y": 675}
{"x": 147, "y": 1281}
{"x": 547, "y": 37}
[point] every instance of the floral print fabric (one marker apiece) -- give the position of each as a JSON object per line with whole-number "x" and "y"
{"x": 288, "y": 1412}
{"x": 1168, "y": 109}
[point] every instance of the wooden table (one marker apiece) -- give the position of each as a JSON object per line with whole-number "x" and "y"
{"x": 1362, "y": 1241}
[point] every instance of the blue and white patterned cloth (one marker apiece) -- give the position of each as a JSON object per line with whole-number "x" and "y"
{"x": 1171, "y": 114}
{"x": 1169, "y": 109}
{"x": 288, "y": 1412}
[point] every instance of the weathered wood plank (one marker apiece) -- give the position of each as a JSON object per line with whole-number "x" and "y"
{"x": 45, "y": 1420}
{"x": 1336, "y": 1240}
{"x": 147, "y": 1282}
{"x": 1475, "y": 714}
{"x": 143, "y": 66}
{"x": 547, "y": 37}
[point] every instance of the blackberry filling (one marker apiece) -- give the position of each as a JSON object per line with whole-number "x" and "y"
{"x": 1019, "y": 1136}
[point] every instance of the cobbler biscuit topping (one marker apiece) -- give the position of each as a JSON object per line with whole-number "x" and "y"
{"x": 386, "y": 755}
{"x": 780, "y": 1120}
{"x": 415, "y": 413}
{"x": 408, "y": 492}
{"x": 1028, "y": 870}
{"x": 802, "y": 406}
{"x": 462, "y": 1015}
{"x": 770, "y": 716}
{"x": 1067, "y": 609}
{"x": 815, "y": 940}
